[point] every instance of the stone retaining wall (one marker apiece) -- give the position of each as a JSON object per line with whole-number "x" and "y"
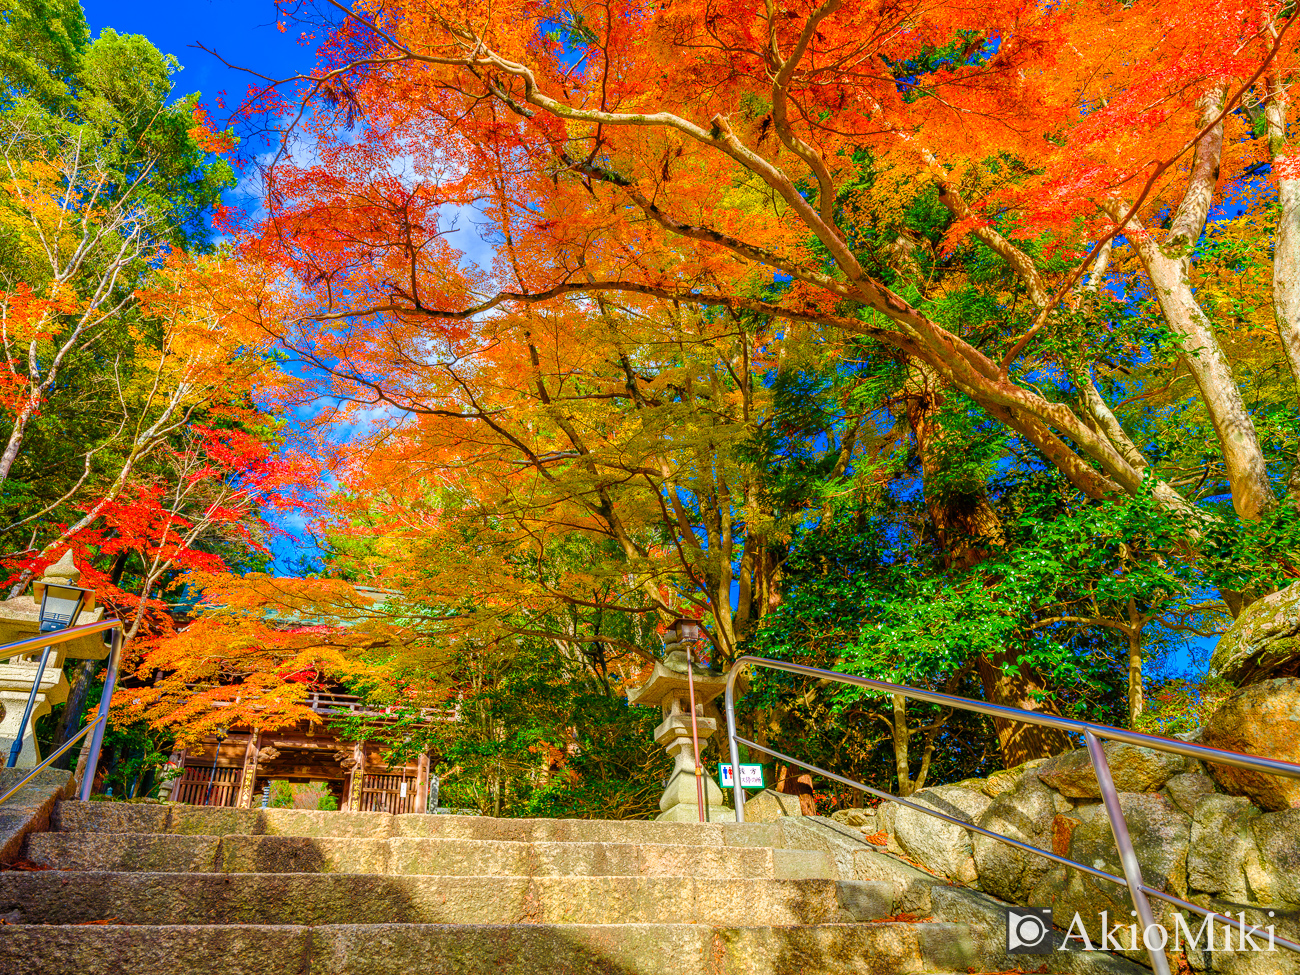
{"x": 1192, "y": 840}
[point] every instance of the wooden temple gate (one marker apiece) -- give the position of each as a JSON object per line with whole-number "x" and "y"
{"x": 207, "y": 786}
{"x": 233, "y": 770}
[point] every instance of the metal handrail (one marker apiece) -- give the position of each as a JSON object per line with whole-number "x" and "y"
{"x": 1092, "y": 734}
{"x": 62, "y": 748}
{"x": 44, "y": 641}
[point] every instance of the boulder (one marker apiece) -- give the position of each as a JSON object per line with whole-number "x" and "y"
{"x": 863, "y": 819}
{"x": 1001, "y": 781}
{"x": 1276, "y": 874}
{"x": 1241, "y": 960}
{"x": 1024, "y": 812}
{"x": 1161, "y": 833}
{"x": 1263, "y": 642}
{"x": 768, "y": 806}
{"x": 1189, "y": 788}
{"x": 1133, "y": 768}
{"x": 1262, "y": 719}
{"x": 940, "y": 846}
{"x": 1221, "y": 846}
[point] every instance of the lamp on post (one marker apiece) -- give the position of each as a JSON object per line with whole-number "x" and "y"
{"x": 61, "y": 604}
{"x": 689, "y": 634}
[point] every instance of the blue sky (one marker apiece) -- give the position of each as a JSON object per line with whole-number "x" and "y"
{"x": 242, "y": 31}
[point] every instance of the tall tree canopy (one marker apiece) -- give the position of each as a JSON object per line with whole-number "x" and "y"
{"x": 754, "y": 266}
{"x": 770, "y": 159}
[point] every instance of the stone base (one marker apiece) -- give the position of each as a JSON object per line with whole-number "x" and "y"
{"x": 687, "y": 813}
{"x": 768, "y": 806}
{"x": 12, "y": 703}
{"x": 680, "y": 800}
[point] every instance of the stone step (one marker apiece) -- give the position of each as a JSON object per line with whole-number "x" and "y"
{"x": 168, "y": 898}
{"x": 105, "y": 817}
{"x": 896, "y": 948}
{"x": 415, "y": 855}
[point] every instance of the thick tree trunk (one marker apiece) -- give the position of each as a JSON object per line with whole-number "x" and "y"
{"x": 1136, "y": 699}
{"x": 70, "y": 723}
{"x": 1019, "y": 742}
{"x": 1168, "y": 265}
{"x": 16, "y": 435}
{"x": 901, "y": 733}
{"x": 1286, "y": 241}
{"x": 965, "y": 524}
{"x": 795, "y": 783}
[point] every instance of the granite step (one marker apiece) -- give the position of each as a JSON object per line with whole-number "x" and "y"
{"x": 75, "y": 897}
{"x": 897, "y": 948}
{"x": 171, "y": 853}
{"x": 105, "y": 817}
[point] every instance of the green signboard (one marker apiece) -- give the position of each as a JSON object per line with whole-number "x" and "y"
{"x": 751, "y": 776}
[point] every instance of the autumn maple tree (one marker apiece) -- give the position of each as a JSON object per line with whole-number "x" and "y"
{"x": 708, "y": 154}
{"x": 135, "y": 396}
{"x": 1008, "y": 204}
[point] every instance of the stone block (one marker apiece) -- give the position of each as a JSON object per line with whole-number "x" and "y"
{"x": 1221, "y": 846}
{"x": 1262, "y": 641}
{"x": 197, "y": 949}
{"x": 1025, "y": 812}
{"x": 1262, "y": 719}
{"x": 863, "y": 819}
{"x": 1160, "y": 833}
{"x": 124, "y": 851}
{"x": 802, "y": 865}
{"x": 1133, "y": 769}
{"x": 1276, "y": 875}
{"x": 1189, "y": 788}
{"x": 30, "y": 809}
{"x": 937, "y": 844}
{"x": 1006, "y": 779}
{"x": 768, "y": 806}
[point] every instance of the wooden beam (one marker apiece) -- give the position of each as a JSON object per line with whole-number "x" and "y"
{"x": 273, "y": 771}
{"x": 422, "y": 785}
{"x": 245, "y": 800}
{"x": 319, "y": 744}
{"x": 358, "y": 777}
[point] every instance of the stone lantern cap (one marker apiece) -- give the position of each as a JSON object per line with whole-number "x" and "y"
{"x": 667, "y": 684}
{"x": 20, "y": 617}
{"x": 62, "y": 573}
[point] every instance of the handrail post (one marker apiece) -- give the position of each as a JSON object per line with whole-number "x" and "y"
{"x": 1127, "y": 856}
{"x": 729, "y": 705}
{"x": 105, "y": 702}
{"x": 695, "y": 735}
{"x": 17, "y": 747}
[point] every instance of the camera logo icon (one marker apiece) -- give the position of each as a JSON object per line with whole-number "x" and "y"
{"x": 1029, "y": 931}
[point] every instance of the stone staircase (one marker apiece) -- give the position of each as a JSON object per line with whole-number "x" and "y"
{"x": 154, "y": 889}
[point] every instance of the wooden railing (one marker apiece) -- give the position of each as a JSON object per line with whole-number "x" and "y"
{"x": 202, "y": 785}
{"x": 383, "y": 793}
{"x": 329, "y": 703}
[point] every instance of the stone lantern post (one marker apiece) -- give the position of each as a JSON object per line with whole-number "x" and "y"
{"x": 669, "y": 690}
{"x": 20, "y": 618}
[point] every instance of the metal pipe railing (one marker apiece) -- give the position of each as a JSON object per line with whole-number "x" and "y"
{"x": 61, "y": 749}
{"x": 1092, "y": 733}
{"x": 43, "y": 642}
{"x": 53, "y": 639}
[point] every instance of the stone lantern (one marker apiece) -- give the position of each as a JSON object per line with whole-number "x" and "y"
{"x": 20, "y": 618}
{"x": 669, "y": 689}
